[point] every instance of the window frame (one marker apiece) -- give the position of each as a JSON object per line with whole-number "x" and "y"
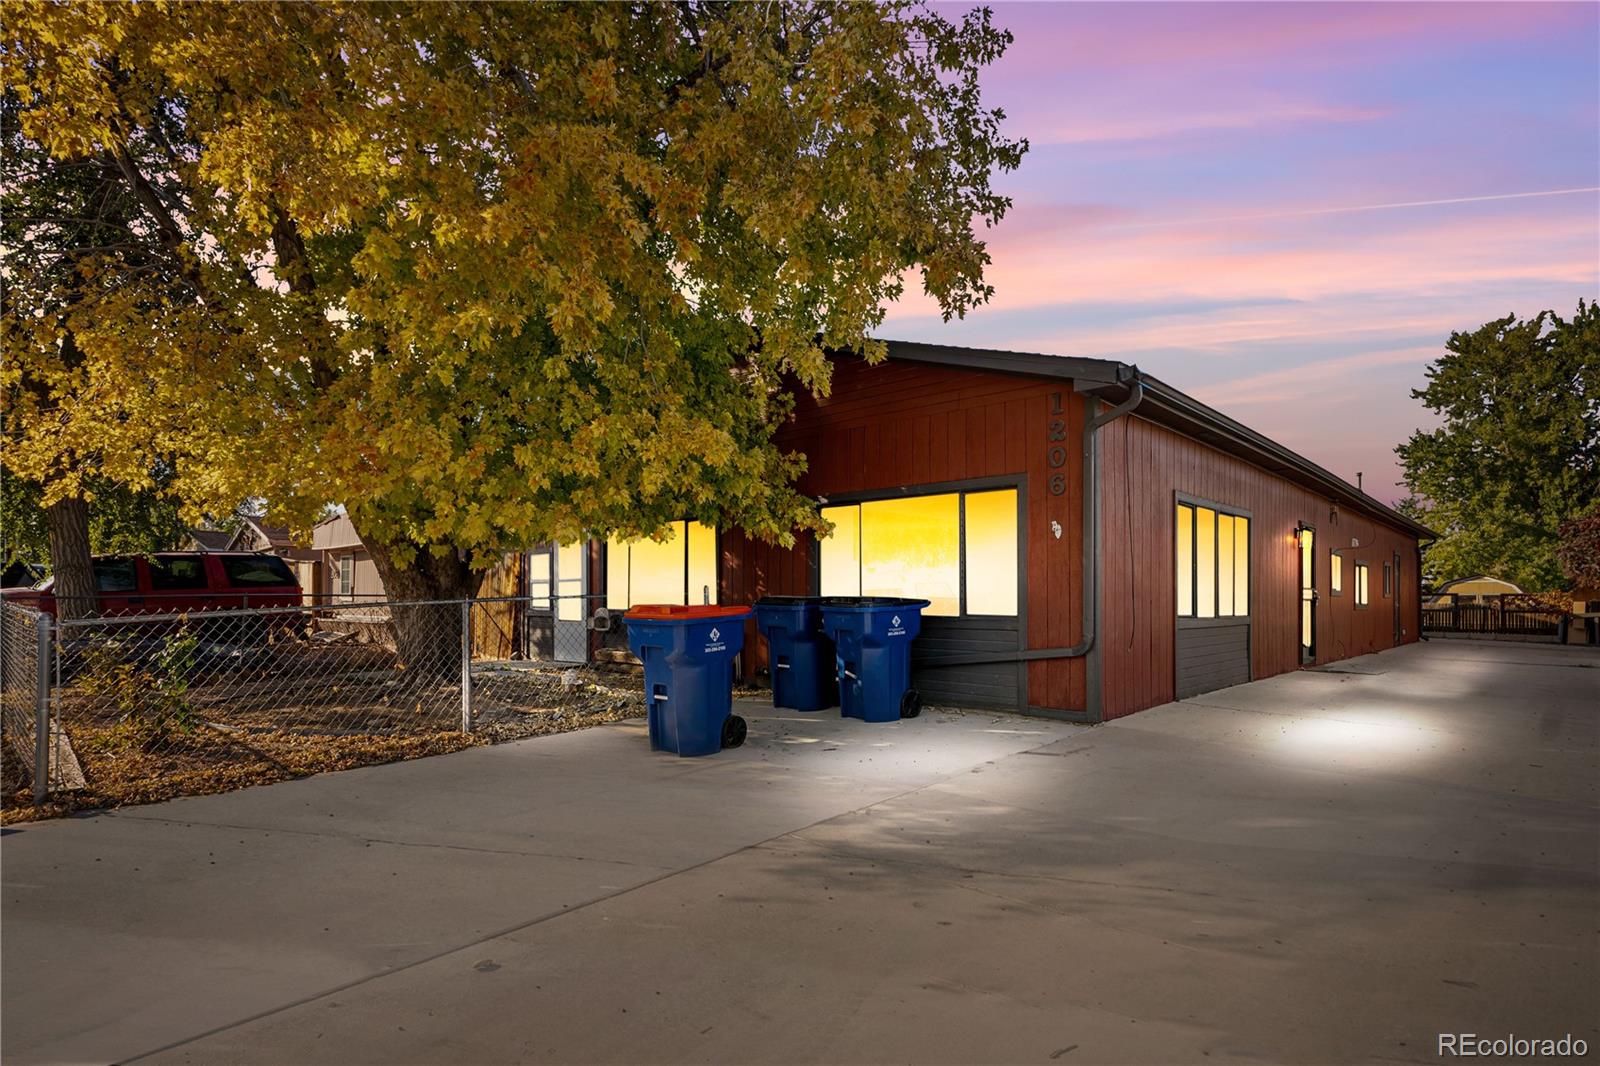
{"x": 1335, "y": 572}
{"x": 1363, "y": 585}
{"x": 944, "y": 488}
{"x": 1194, "y": 503}
{"x": 1388, "y": 578}
{"x": 345, "y": 575}
{"x": 688, "y": 596}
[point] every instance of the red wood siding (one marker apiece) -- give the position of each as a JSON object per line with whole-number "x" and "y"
{"x": 1143, "y": 467}
{"x": 906, "y": 424}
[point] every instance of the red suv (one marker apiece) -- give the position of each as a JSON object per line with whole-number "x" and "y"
{"x": 168, "y": 582}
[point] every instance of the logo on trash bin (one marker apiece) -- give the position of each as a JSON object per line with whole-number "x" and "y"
{"x": 895, "y": 620}
{"x": 718, "y": 636}
{"x": 714, "y": 640}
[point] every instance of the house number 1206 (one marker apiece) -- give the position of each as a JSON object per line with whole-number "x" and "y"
{"x": 1057, "y": 455}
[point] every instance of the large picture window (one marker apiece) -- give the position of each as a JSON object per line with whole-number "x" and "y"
{"x": 926, "y": 547}
{"x": 1213, "y": 562}
{"x": 680, "y": 570}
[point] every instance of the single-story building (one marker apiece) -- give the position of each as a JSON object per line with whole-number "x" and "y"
{"x": 345, "y": 572}
{"x": 1091, "y": 540}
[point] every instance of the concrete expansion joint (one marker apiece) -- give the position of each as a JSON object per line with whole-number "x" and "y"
{"x": 369, "y": 840}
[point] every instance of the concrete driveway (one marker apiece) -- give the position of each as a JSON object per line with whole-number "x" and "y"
{"x": 1331, "y": 866}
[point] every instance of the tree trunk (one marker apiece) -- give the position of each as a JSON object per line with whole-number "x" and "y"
{"x": 428, "y": 635}
{"x": 67, "y": 523}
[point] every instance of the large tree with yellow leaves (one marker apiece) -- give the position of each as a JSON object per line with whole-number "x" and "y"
{"x": 495, "y": 274}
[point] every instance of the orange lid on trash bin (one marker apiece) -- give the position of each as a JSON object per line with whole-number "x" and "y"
{"x": 673, "y": 612}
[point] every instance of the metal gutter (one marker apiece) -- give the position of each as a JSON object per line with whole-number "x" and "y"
{"x": 1092, "y": 549}
{"x": 1204, "y": 421}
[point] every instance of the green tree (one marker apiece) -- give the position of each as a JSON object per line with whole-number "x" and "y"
{"x": 84, "y": 461}
{"x": 121, "y": 520}
{"x": 495, "y": 274}
{"x": 1518, "y": 453}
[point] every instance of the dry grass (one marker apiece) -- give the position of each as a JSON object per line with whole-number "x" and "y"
{"x": 240, "y": 748}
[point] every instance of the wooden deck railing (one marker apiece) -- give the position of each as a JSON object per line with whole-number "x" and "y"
{"x": 1510, "y": 613}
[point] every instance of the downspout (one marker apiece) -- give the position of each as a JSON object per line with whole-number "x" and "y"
{"x": 1091, "y": 549}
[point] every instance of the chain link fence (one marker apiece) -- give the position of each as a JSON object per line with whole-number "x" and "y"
{"x": 143, "y": 707}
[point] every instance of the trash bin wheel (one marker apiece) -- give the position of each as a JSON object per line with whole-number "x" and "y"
{"x": 910, "y": 703}
{"x": 734, "y": 730}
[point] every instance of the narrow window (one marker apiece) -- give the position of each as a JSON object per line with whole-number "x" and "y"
{"x": 1361, "y": 584}
{"x": 617, "y": 565}
{"x": 679, "y": 570}
{"x": 1388, "y": 580}
{"x": 1205, "y": 549}
{"x": 702, "y": 549}
{"x": 1241, "y": 566}
{"x": 1185, "y": 560}
{"x": 570, "y": 559}
{"x": 1225, "y": 565}
{"x": 839, "y": 555}
{"x": 912, "y": 547}
{"x": 346, "y": 574}
{"x": 539, "y": 581}
{"x": 991, "y": 552}
{"x": 1336, "y": 574}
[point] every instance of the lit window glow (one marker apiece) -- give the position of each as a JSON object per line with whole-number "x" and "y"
{"x": 679, "y": 570}
{"x": 839, "y": 555}
{"x": 991, "y": 525}
{"x": 1185, "y": 560}
{"x": 1212, "y": 563}
{"x": 912, "y": 546}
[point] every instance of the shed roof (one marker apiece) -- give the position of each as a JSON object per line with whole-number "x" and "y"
{"x": 1166, "y": 406}
{"x": 211, "y": 539}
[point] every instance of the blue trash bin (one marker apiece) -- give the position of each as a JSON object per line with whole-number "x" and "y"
{"x": 688, "y": 674}
{"x": 872, "y": 638}
{"x": 799, "y": 654}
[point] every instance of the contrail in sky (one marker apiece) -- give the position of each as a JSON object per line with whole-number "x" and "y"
{"x": 1357, "y": 208}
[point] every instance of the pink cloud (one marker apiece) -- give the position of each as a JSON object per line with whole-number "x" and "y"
{"x": 1167, "y": 35}
{"x": 1167, "y": 122}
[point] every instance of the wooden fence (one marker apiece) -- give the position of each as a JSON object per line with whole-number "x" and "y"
{"x": 1510, "y": 613}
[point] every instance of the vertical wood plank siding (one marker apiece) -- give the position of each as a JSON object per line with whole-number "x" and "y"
{"x": 1143, "y": 467}
{"x": 903, "y": 424}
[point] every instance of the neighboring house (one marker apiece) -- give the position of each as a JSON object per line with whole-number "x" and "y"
{"x": 1471, "y": 590}
{"x": 1167, "y": 552}
{"x": 254, "y": 535}
{"x": 347, "y": 571}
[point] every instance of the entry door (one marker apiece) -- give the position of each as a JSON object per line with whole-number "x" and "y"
{"x": 1394, "y": 595}
{"x": 1308, "y": 595}
{"x": 571, "y": 615}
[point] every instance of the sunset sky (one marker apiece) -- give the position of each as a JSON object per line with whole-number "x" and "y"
{"x": 1284, "y": 209}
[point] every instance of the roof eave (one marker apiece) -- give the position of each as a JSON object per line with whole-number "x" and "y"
{"x": 1210, "y": 426}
